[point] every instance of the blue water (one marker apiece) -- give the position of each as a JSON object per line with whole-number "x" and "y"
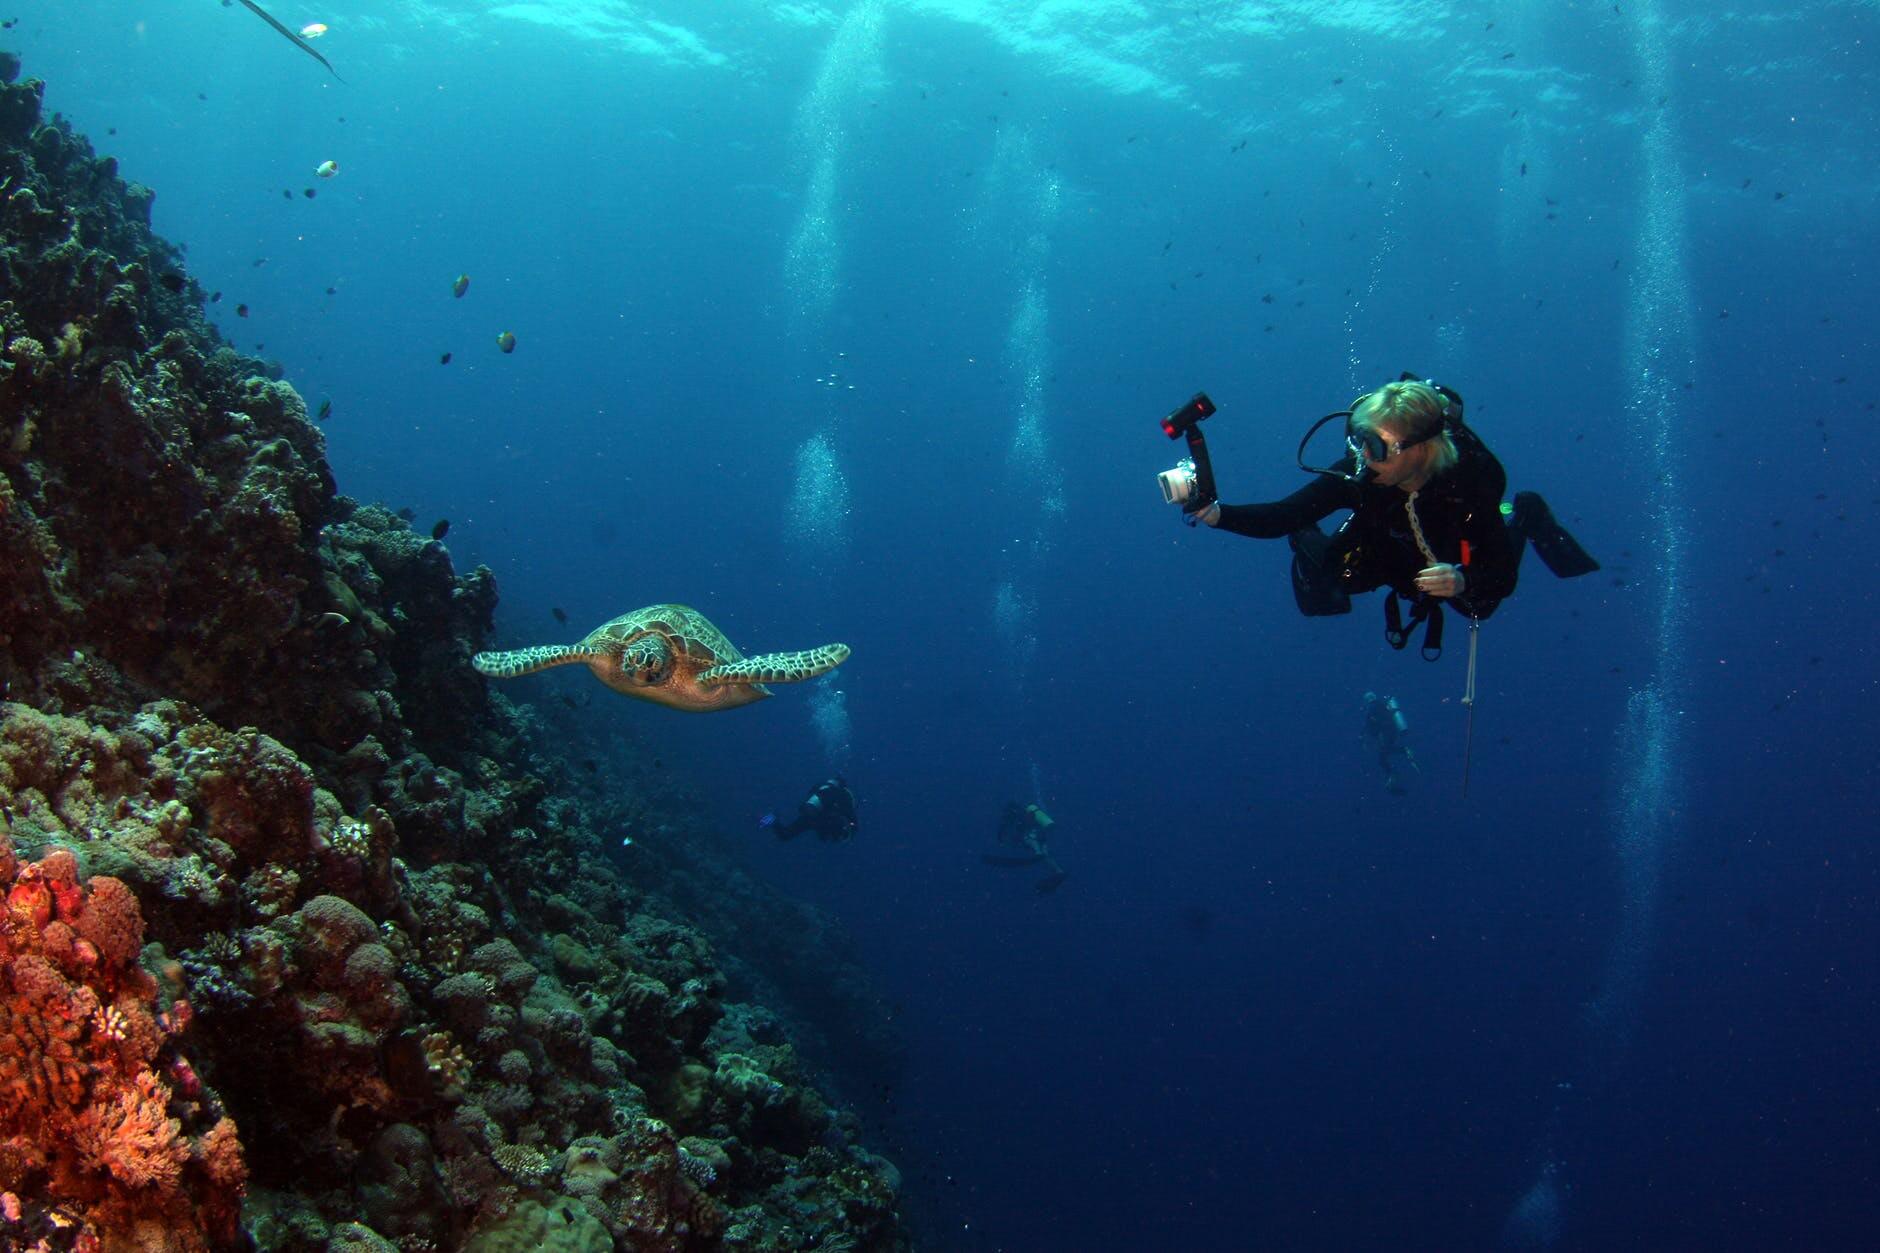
{"x": 1622, "y": 995}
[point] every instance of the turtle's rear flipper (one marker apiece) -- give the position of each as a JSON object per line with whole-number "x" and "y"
{"x": 1558, "y": 550}
{"x": 776, "y": 667}
{"x": 518, "y": 662}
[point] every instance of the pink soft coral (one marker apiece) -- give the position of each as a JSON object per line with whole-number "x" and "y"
{"x": 88, "y": 1120}
{"x": 133, "y": 1137}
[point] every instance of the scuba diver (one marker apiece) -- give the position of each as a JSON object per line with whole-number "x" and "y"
{"x": 1426, "y": 522}
{"x": 1027, "y": 827}
{"x": 1386, "y": 733}
{"x": 829, "y": 811}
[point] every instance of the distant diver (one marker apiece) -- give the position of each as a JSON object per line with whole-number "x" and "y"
{"x": 829, "y": 811}
{"x": 1027, "y": 827}
{"x": 290, "y": 36}
{"x": 1386, "y": 733}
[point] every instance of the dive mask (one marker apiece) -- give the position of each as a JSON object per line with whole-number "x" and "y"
{"x": 1366, "y": 447}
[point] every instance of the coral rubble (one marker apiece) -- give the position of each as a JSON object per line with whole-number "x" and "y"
{"x": 309, "y": 940}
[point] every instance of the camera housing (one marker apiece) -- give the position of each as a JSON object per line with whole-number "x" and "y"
{"x": 1178, "y": 485}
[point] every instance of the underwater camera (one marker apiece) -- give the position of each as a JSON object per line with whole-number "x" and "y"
{"x": 1190, "y": 483}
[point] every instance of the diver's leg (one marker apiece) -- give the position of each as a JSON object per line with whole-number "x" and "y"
{"x": 1557, "y": 549}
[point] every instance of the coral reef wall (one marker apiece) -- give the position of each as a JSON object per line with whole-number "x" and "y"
{"x": 310, "y": 941}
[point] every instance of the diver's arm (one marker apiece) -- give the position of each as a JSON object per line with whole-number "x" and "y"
{"x": 1324, "y": 496}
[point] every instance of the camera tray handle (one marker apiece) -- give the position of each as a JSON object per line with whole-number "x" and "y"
{"x": 1204, "y": 469}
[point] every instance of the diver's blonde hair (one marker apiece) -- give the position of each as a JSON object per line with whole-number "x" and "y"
{"x": 1414, "y": 410}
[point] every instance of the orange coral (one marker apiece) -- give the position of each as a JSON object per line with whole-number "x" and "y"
{"x": 100, "y": 1116}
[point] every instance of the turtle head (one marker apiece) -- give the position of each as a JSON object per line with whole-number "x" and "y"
{"x": 644, "y": 662}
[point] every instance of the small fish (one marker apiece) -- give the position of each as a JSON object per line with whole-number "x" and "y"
{"x": 325, "y": 411}
{"x": 172, "y": 280}
{"x": 332, "y": 291}
{"x": 1524, "y": 169}
{"x": 241, "y": 311}
{"x": 326, "y": 169}
{"x": 110, "y": 130}
{"x": 506, "y": 341}
{"x": 308, "y": 192}
{"x": 408, "y": 513}
{"x": 313, "y": 30}
{"x": 441, "y": 529}
{"x": 215, "y": 297}
{"x": 444, "y": 360}
{"x": 588, "y": 764}
{"x": 287, "y": 193}
{"x": 561, "y": 615}
{"x": 335, "y": 619}
{"x": 288, "y": 35}
{"x": 460, "y": 286}
{"x": 1507, "y": 56}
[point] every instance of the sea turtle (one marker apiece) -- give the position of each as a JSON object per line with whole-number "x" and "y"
{"x": 672, "y": 655}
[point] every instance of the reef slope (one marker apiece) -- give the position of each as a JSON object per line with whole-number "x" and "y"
{"x": 310, "y": 940}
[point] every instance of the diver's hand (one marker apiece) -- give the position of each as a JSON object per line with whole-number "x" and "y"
{"x": 1210, "y": 514}
{"x": 1441, "y": 580}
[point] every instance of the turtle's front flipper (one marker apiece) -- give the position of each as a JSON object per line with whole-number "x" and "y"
{"x": 518, "y": 662}
{"x": 776, "y": 667}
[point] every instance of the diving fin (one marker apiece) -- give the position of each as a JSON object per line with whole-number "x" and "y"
{"x": 1558, "y": 550}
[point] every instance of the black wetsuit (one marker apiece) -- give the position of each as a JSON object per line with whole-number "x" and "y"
{"x": 829, "y": 811}
{"x": 1376, "y": 548}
